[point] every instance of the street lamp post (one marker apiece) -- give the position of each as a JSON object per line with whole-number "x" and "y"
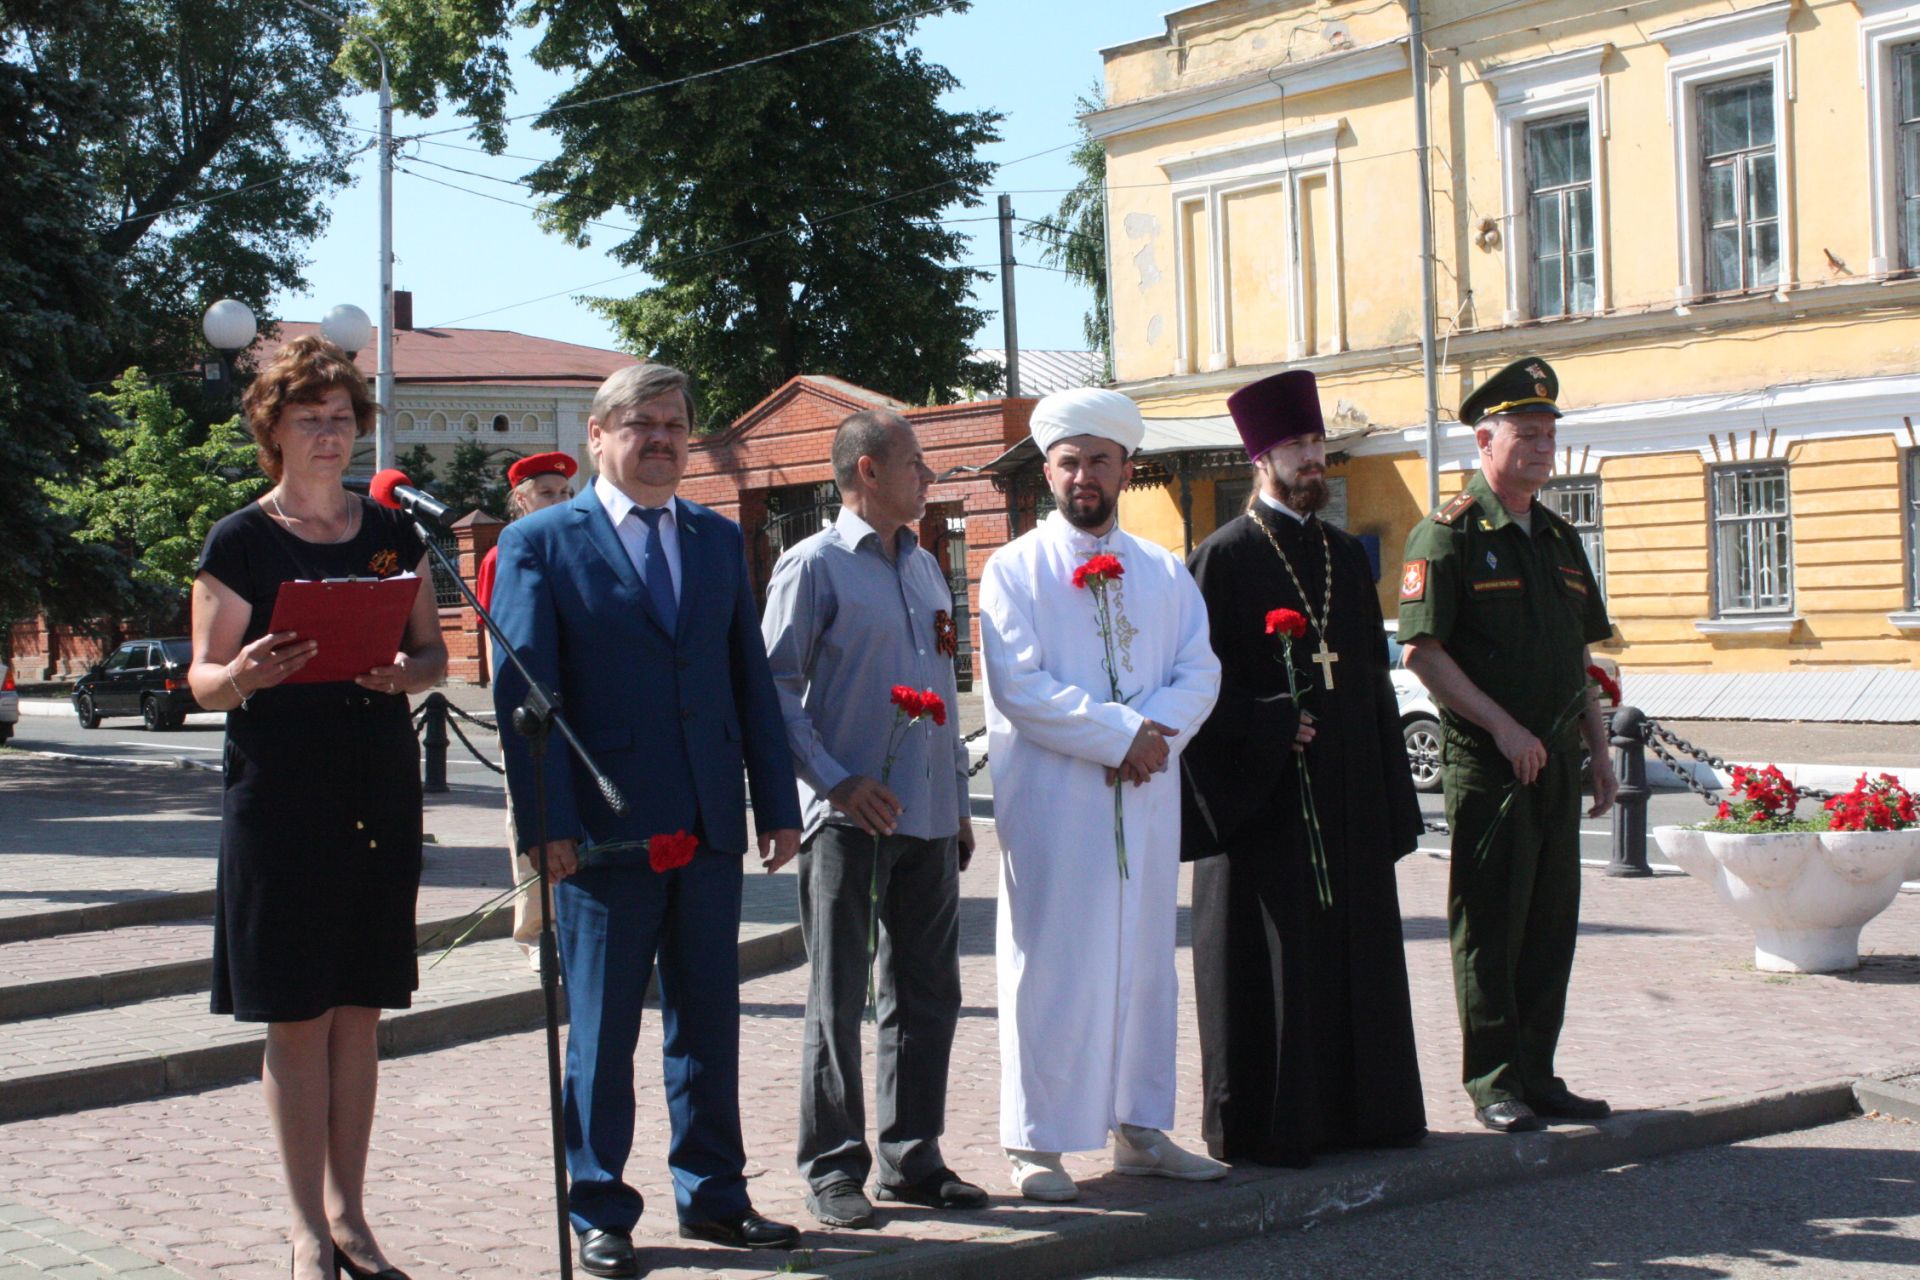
{"x": 230, "y": 328}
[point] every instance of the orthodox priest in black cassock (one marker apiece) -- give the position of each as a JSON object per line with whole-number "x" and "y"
{"x": 1306, "y": 1028}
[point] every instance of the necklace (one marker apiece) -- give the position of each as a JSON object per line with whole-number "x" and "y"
{"x": 346, "y": 518}
{"x": 1324, "y": 656}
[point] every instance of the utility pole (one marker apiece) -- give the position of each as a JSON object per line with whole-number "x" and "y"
{"x": 1417, "y": 55}
{"x": 383, "y": 421}
{"x": 1007, "y": 319}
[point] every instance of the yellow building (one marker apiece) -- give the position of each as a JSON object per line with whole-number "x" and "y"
{"x": 1706, "y": 217}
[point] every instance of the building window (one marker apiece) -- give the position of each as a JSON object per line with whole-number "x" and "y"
{"x": 1231, "y": 499}
{"x": 1913, "y": 528}
{"x": 1560, "y": 215}
{"x": 1752, "y": 541}
{"x": 1740, "y": 192}
{"x": 501, "y": 422}
{"x": 1576, "y": 500}
{"x": 1906, "y": 77}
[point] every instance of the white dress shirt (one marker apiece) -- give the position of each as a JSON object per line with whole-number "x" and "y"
{"x": 633, "y": 531}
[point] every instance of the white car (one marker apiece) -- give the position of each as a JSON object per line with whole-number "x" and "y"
{"x": 1420, "y": 718}
{"x": 9, "y": 703}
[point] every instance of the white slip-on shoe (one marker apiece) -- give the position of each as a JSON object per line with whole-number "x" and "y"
{"x": 1151, "y": 1153}
{"x": 1037, "y": 1175}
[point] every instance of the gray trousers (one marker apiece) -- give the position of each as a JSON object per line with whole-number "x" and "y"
{"x": 917, "y": 976}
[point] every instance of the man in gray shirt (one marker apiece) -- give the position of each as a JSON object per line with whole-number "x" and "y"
{"x": 853, "y": 611}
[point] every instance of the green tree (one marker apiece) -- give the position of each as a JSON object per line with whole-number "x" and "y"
{"x": 154, "y": 156}
{"x": 1074, "y": 238}
{"x": 787, "y": 211}
{"x": 165, "y": 482}
{"x": 56, "y": 323}
{"x": 475, "y": 480}
{"x": 212, "y": 166}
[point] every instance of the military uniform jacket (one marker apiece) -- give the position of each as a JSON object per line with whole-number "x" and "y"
{"x": 1514, "y": 610}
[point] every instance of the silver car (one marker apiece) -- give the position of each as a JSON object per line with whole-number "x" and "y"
{"x": 9, "y": 702}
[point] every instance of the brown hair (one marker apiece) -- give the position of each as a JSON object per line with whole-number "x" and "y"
{"x": 302, "y": 372}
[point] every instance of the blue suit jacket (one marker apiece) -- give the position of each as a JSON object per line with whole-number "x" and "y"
{"x": 679, "y": 722}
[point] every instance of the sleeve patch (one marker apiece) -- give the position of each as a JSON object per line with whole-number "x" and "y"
{"x": 1413, "y": 580}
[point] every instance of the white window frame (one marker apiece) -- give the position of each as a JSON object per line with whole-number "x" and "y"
{"x": 1882, "y": 28}
{"x": 1525, "y": 93}
{"x": 1720, "y": 525}
{"x": 1597, "y": 552}
{"x": 1207, "y": 178}
{"x": 1910, "y": 500}
{"x": 1703, "y": 53}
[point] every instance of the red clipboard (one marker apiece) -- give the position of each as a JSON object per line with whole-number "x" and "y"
{"x": 359, "y": 623}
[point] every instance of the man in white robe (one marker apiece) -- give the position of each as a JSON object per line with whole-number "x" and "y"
{"x": 1088, "y": 993}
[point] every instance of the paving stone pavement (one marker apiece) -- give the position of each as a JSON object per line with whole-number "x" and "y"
{"x": 1666, "y": 1008}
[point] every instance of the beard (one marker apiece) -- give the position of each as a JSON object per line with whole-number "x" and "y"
{"x": 1305, "y": 494}
{"x": 1087, "y": 511}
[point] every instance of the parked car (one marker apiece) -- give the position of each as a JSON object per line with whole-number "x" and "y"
{"x": 145, "y": 678}
{"x": 9, "y": 703}
{"x": 1420, "y": 718}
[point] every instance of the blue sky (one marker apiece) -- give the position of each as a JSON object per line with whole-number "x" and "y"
{"x": 476, "y": 262}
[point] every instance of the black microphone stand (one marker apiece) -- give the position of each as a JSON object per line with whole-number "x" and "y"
{"x": 536, "y": 717}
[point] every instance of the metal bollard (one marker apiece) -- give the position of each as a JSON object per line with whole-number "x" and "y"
{"x": 434, "y": 738}
{"x": 1630, "y": 807}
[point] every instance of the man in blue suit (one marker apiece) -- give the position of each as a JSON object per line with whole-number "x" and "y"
{"x": 636, "y": 607}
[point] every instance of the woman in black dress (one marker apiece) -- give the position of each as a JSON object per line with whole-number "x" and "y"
{"x": 320, "y": 825}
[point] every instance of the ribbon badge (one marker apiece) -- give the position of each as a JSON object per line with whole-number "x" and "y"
{"x": 946, "y": 637}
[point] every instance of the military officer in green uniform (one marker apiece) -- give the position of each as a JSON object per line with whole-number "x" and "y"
{"x": 1497, "y": 608}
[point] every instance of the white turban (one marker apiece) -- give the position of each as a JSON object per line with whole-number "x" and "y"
{"x": 1088, "y": 411}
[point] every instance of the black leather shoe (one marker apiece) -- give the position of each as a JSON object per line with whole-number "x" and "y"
{"x": 608, "y": 1253}
{"x": 748, "y": 1231}
{"x": 941, "y": 1189}
{"x": 342, "y": 1263}
{"x": 1571, "y": 1106}
{"x": 1509, "y": 1116}
{"x": 841, "y": 1204}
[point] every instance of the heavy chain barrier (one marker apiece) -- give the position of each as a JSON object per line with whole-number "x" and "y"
{"x": 1665, "y": 743}
{"x": 433, "y": 719}
{"x": 974, "y": 768}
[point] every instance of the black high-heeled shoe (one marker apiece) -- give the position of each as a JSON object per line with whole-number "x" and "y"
{"x": 341, "y": 1262}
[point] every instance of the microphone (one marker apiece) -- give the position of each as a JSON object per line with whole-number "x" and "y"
{"x": 391, "y": 488}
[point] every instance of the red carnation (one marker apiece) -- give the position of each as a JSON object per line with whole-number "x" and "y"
{"x": 909, "y": 700}
{"x": 666, "y": 852}
{"x": 934, "y": 706}
{"x": 1290, "y": 623}
{"x": 1608, "y": 685}
{"x": 1098, "y": 571}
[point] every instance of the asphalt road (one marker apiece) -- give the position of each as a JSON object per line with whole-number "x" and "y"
{"x": 1840, "y": 1202}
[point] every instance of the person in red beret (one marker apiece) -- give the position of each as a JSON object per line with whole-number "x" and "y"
{"x": 1306, "y": 1028}
{"x": 536, "y": 481}
{"x": 539, "y": 480}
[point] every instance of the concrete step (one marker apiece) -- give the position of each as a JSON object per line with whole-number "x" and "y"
{"x": 171, "y": 1044}
{"x": 42, "y": 977}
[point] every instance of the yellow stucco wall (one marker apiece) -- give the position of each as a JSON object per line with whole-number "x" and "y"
{"x": 1830, "y": 322}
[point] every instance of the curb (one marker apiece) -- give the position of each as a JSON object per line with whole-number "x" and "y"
{"x": 144, "y": 762}
{"x": 1342, "y": 1186}
{"x": 153, "y": 909}
{"x": 403, "y": 1032}
{"x": 178, "y": 977}
{"x": 1891, "y": 1093}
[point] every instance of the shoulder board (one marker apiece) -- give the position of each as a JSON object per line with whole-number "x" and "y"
{"x": 1462, "y": 503}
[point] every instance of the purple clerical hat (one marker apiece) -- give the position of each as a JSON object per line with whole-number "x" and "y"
{"x": 1276, "y": 409}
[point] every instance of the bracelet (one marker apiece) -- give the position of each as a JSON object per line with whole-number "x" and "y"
{"x": 236, "y": 688}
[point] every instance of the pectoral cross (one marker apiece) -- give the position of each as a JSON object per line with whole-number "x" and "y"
{"x": 1326, "y": 658}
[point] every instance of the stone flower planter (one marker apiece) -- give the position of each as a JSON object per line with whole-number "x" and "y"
{"x": 1806, "y": 894}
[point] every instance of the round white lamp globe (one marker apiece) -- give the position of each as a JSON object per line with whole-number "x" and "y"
{"x": 347, "y": 327}
{"x": 229, "y": 325}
